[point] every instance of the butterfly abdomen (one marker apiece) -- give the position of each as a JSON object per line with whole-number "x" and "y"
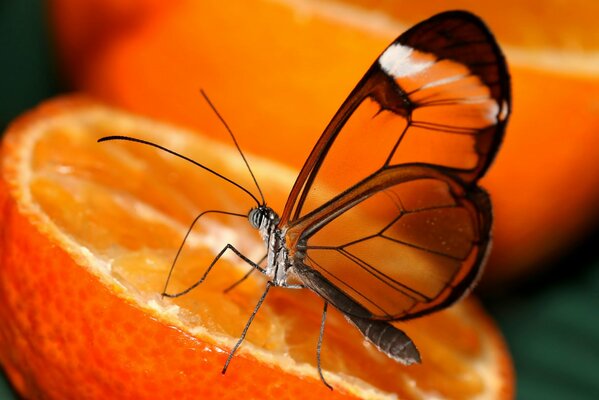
{"x": 388, "y": 339}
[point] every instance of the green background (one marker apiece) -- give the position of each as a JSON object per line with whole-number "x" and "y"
{"x": 551, "y": 322}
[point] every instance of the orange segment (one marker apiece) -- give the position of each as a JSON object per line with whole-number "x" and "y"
{"x": 88, "y": 233}
{"x": 278, "y": 71}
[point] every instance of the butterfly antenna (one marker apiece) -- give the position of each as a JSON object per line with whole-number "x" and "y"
{"x": 234, "y": 141}
{"x": 131, "y": 139}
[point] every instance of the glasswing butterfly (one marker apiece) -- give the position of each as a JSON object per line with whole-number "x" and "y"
{"x": 406, "y": 148}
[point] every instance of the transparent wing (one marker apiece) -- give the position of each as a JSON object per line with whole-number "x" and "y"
{"x": 403, "y": 243}
{"x": 439, "y": 94}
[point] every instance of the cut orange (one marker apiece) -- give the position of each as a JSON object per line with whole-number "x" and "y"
{"x": 88, "y": 233}
{"x": 281, "y": 68}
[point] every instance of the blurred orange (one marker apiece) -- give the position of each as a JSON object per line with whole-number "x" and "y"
{"x": 87, "y": 236}
{"x": 278, "y": 70}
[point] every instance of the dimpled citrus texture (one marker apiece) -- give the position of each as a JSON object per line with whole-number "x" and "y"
{"x": 278, "y": 71}
{"x": 81, "y": 276}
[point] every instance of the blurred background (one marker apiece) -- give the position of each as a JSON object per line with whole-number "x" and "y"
{"x": 282, "y": 58}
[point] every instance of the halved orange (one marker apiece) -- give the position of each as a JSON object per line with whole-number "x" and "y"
{"x": 88, "y": 233}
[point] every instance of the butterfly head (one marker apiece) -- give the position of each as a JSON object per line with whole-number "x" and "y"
{"x": 263, "y": 217}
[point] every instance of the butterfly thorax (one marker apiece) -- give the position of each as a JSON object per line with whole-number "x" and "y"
{"x": 265, "y": 219}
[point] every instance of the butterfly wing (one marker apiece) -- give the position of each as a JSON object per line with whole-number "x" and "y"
{"x": 439, "y": 94}
{"x": 387, "y": 209}
{"x": 405, "y": 242}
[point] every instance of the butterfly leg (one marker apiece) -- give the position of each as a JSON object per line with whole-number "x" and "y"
{"x": 212, "y": 264}
{"x": 269, "y": 284}
{"x": 243, "y": 278}
{"x": 196, "y": 219}
{"x": 319, "y": 345}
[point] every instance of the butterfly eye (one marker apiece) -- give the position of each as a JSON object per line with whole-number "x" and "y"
{"x": 256, "y": 216}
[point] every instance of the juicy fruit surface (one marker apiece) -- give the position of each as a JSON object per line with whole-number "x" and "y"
{"x": 89, "y": 232}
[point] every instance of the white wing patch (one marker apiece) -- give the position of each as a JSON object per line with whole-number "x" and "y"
{"x": 399, "y": 61}
{"x": 443, "y": 81}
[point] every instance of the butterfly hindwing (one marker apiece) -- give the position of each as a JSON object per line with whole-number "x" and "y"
{"x": 405, "y": 242}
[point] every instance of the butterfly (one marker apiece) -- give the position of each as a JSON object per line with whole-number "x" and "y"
{"x": 386, "y": 221}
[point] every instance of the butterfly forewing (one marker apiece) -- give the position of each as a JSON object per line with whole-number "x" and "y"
{"x": 439, "y": 94}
